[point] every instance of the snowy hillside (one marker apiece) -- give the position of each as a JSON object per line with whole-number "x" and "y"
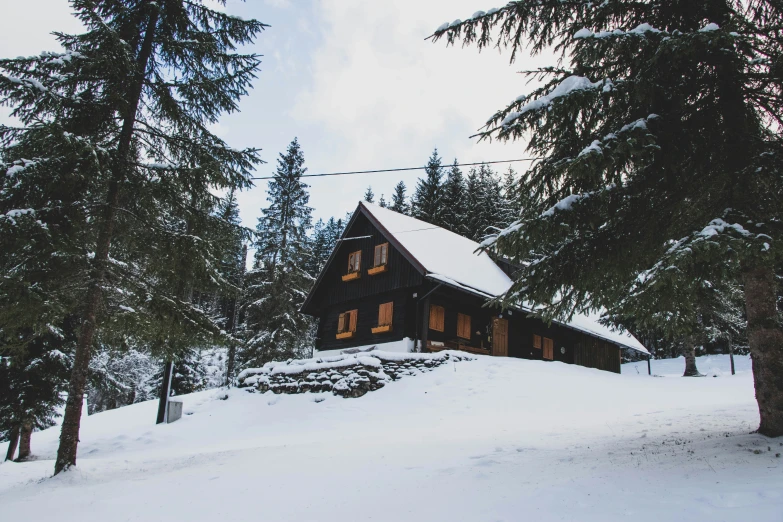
{"x": 492, "y": 439}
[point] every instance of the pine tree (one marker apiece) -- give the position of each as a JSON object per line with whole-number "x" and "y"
{"x": 279, "y": 281}
{"x": 454, "y": 201}
{"x": 492, "y": 206}
{"x": 512, "y": 199}
{"x": 382, "y": 202}
{"x": 369, "y": 195}
{"x": 474, "y": 217}
{"x": 399, "y": 200}
{"x": 632, "y": 183}
{"x": 179, "y": 65}
{"x": 426, "y": 202}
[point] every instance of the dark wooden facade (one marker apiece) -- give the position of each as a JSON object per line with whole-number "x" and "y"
{"x": 404, "y": 283}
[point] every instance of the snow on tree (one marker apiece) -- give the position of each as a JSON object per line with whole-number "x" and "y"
{"x": 279, "y": 282}
{"x": 369, "y": 195}
{"x": 399, "y": 199}
{"x": 426, "y": 202}
{"x": 454, "y": 201}
{"x": 382, "y": 202}
{"x": 630, "y": 180}
{"x": 140, "y": 88}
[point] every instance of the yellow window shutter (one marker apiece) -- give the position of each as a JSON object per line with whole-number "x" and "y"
{"x": 353, "y": 318}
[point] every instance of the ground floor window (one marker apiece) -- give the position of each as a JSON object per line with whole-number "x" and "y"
{"x": 463, "y": 326}
{"x": 437, "y": 318}
{"x": 385, "y": 312}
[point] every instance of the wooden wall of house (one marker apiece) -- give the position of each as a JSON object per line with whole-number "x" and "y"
{"x": 595, "y": 353}
{"x": 332, "y": 290}
{"x": 570, "y": 346}
{"x": 367, "y": 319}
{"x": 455, "y": 302}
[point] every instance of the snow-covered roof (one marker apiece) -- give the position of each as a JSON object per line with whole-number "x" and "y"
{"x": 455, "y": 260}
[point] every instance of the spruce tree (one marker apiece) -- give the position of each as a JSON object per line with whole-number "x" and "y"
{"x": 492, "y": 207}
{"x": 474, "y": 214}
{"x": 382, "y": 202}
{"x": 659, "y": 133}
{"x": 512, "y": 199}
{"x": 279, "y": 282}
{"x": 427, "y": 200}
{"x": 143, "y": 82}
{"x": 399, "y": 199}
{"x": 369, "y": 195}
{"x": 453, "y": 206}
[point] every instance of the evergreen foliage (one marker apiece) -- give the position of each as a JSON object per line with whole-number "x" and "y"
{"x": 279, "y": 281}
{"x": 369, "y": 195}
{"x": 454, "y": 201}
{"x": 659, "y": 133}
{"x": 127, "y": 108}
{"x": 427, "y": 200}
{"x": 399, "y": 199}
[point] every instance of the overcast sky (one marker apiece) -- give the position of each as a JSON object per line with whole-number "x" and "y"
{"x": 354, "y": 80}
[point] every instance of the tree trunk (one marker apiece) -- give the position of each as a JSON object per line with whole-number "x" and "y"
{"x": 69, "y": 434}
{"x": 165, "y": 392}
{"x": 234, "y": 318}
{"x": 765, "y": 338}
{"x": 12, "y": 444}
{"x": 26, "y": 433}
{"x": 689, "y": 351}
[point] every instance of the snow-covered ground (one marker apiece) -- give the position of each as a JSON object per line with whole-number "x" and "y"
{"x": 486, "y": 440}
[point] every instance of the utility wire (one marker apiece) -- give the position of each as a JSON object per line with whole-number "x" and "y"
{"x": 402, "y": 169}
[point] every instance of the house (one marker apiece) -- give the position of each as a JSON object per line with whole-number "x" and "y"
{"x": 392, "y": 276}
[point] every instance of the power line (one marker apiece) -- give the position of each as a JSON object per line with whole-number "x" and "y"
{"x": 402, "y": 169}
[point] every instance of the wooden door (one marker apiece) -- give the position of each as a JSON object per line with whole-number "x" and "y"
{"x": 549, "y": 349}
{"x": 500, "y": 337}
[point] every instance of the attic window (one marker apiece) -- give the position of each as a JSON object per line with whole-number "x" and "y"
{"x": 381, "y": 258}
{"x": 346, "y": 324}
{"x": 354, "y": 261}
{"x": 381, "y": 254}
{"x": 354, "y": 266}
{"x": 437, "y": 318}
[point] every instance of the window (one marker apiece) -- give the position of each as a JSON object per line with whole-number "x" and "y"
{"x": 537, "y": 342}
{"x": 437, "y": 318}
{"x": 346, "y": 324}
{"x": 463, "y": 326}
{"x": 385, "y": 315}
{"x": 549, "y": 349}
{"x": 354, "y": 261}
{"x": 385, "y": 312}
{"x": 381, "y": 254}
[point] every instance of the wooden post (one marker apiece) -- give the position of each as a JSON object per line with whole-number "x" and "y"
{"x": 425, "y": 323}
{"x": 649, "y": 370}
{"x": 731, "y": 355}
{"x": 165, "y": 391}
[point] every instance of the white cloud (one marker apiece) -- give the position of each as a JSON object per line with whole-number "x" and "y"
{"x": 387, "y": 96}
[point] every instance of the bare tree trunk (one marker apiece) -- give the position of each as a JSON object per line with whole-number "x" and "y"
{"x": 12, "y": 444}
{"x": 26, "y": 433}
{"x": 689, "y": 351}
{"x": 765, "y": 337}
{"x": 69, "y": 434}
{"x": 234, "y": 317}
{"x": 731, "y": 356}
